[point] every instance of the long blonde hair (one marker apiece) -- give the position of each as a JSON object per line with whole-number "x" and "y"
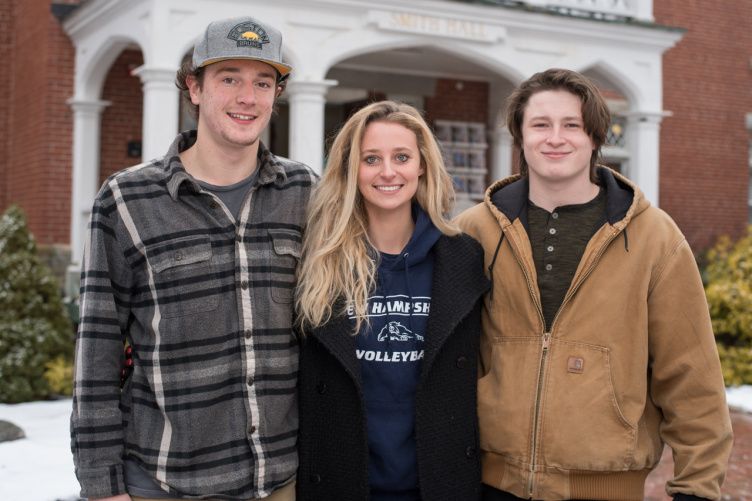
{"x": 336, "y": 261}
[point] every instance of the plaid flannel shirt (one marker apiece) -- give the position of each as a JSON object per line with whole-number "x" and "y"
{"x": 205, "y": 300}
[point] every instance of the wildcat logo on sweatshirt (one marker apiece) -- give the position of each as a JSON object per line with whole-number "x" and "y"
{"x": 395, "y": 331}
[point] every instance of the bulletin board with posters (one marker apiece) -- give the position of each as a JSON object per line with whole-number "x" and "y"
{"x": 465, "y": 146}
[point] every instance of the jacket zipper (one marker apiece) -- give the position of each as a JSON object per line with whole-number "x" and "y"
{"x": 544, "y": 356}
{"x": 544, "y": 350}
{"x": 542, "y": 368}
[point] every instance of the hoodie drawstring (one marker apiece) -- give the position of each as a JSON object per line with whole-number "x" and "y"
{"x": 490, "y": 269}
{"x": 409, "y": 292}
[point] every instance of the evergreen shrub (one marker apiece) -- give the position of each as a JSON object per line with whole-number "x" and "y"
{"x": 34, "y": 326}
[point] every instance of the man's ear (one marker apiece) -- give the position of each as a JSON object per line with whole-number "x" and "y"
{"x": 193, "y": 87}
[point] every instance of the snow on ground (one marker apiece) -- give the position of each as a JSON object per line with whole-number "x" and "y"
{"x": 737, "y": 398}
{"x": 40, "y": 467}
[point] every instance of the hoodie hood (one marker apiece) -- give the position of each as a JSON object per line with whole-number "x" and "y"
{"x": 507, "y": 199}
{"x": 424, "y": 236}
{"x": 409, "y": 273}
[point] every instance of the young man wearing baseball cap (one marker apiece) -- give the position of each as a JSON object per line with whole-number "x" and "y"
{"x": 191, "y": 258}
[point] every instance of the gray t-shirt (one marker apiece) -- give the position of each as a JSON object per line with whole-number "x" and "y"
{"x": 233, "y": 195}
{"x": 138, "y": 483}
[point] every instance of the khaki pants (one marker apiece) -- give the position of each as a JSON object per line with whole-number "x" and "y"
{"x": 286, "y": 493}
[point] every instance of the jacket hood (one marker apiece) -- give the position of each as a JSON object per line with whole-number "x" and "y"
{"x": 507, "y": 199}
{"x": 423, "y": 238}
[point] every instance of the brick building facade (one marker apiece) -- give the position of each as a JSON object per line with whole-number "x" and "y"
{"x": 704, "y": 142}
{"x": 36, "y": 167}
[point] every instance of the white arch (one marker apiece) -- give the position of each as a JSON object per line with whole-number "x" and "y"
{"x": 611, "y": 75}
{"x": 92, "y": 71}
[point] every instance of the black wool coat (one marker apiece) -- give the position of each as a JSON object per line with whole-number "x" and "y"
{"x": 333, "y": 437}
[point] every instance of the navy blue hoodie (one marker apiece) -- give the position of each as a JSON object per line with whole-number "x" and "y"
{"x": 390, "y": 353}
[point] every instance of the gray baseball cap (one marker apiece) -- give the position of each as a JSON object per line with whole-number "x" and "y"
{"x": 240, "y": 38}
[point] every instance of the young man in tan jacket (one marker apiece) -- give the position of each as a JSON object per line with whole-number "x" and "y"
{"x": 597, "y": 346}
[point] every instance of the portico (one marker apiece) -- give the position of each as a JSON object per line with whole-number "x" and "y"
{"x": 339, "y": 47}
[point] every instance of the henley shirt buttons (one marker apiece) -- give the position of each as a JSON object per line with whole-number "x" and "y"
{"x": 470, "y": 452}
{"x": 549, "y": 267}
{"x": 321, "y": 388}
{"x": 550, "y": 248}
{"x": 555, "y": 215}
{"x": 461, "y": 362}
{"x": 552, "y": 231}
{"x": 315, "y": 479}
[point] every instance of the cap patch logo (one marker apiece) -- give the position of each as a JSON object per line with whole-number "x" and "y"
{"x": 249, "y": 35}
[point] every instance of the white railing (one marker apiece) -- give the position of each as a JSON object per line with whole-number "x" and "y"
{"x": 641, "y": 10}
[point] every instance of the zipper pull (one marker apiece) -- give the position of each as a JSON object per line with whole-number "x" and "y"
{"x": 545, "y": 341}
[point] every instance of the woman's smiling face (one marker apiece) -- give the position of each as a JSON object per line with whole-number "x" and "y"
{"x": 389, "y": 168}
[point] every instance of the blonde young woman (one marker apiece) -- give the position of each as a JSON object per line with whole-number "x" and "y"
{"x": 388, "y": 306}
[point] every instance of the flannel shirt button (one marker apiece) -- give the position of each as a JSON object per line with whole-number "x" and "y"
{"x": 239, "y": 239}
{"x": 248, "y": 333}
{"x": 244, "y": 284}
{"x": 251, "y": 430}
{"x": 213, "y": 204}
{"x": 250, "y": 381}
{"x": 461, "y": 362}
{"x": 315, "y": 479}
{"x": 178, "y": 256}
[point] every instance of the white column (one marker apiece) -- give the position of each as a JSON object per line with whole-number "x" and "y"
{"x": 500, "y": 154}
{"x": 307, "y": 101}
{"x": 161, "y": 110}
{"x": 644, "y": 11}
{"x": 643, "y": 137}
{"x": 87, "y": 121}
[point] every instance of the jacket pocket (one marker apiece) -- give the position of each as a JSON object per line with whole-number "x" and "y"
{"x": 581, "y": 422}
{"x": 183, "y": 275}
{"x": 507, "y": 395}
{"x": 286, "y": 247}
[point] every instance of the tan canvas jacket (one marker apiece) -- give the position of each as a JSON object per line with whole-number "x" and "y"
{"x": 630, "y": 362}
